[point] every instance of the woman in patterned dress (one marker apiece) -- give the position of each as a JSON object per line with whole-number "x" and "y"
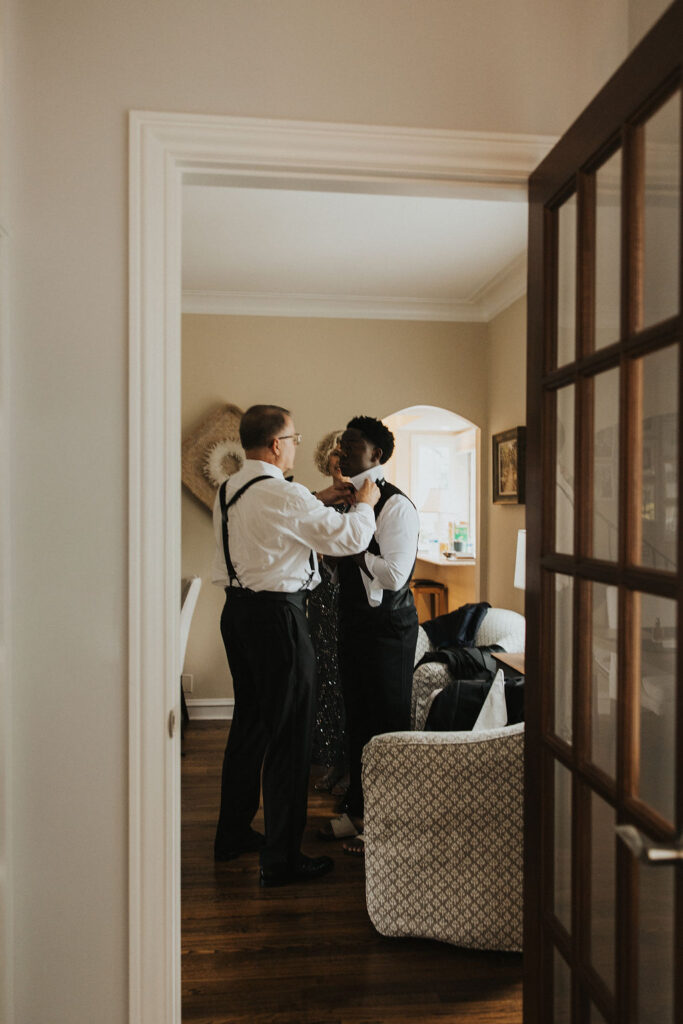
{"x": 329, "y": 737}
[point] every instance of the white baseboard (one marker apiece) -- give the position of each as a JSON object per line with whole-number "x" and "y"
{"x": 210, "y": 707}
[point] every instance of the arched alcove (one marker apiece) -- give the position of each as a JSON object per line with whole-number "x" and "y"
{"x": 437, "y": 462}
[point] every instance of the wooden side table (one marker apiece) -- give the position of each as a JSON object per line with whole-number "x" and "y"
{"x": 514, "y": 660}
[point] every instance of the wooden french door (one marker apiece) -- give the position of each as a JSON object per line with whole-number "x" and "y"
{"x": 604, "y": 768}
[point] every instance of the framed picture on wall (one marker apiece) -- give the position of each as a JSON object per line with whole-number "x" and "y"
{"x": 509, "y": 448}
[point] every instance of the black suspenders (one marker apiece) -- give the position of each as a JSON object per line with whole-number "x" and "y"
{"x": 232, "y": 575}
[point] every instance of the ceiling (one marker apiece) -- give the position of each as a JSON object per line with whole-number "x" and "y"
{"x": 280, "y": 252}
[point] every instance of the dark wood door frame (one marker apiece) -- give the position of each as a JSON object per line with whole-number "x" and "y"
{"x": 651, "y": 72}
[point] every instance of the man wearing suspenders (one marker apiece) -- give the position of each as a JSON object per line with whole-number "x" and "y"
{"x": 267, "y": 532}
{"x": 378, "y": 620}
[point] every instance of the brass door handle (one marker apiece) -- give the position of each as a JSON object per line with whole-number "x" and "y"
{"x": 644, "y": 850}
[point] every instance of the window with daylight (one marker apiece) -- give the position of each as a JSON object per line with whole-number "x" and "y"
{"x": 435, "y": 463}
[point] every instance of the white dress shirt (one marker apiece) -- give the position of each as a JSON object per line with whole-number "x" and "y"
{"x": 397, "y": 531}
{"x": 274, "y": 527}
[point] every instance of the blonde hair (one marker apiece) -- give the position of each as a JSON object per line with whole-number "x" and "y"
{"x": 324, "y": 448}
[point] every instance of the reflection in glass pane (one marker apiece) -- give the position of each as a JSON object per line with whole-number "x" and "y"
{"x": 566, "y": 283}
{"x": 606, "y": 466}
{"x": 562, "y": 990}
{"x": 603, "y": 820}
{"x": 604, "y": 679}
{"x": 656, "y": 945}
{"x": 662, "y": 213}
{"x": 564, "y": 618}
{"x": 659, "y": 499}
{"x": 564, "y": 472}
{"x": 659, "y": 643}
{"x": 563, "y": 846}
{"x": 607, "y": 251}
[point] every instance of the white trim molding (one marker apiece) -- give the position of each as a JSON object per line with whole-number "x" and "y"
{"x": 350, "y": 307}
{"x": 7, "y": 944}
{"x": 210, "y": 708}
{"x": 253, "y": 151}
{"x": 165, "y": 151}
{"x": 154, "y": 574}
{"x": 503, "y": 289}
{"x": 508, "y": 285}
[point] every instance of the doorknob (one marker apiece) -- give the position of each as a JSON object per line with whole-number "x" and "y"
{"x": 643, "y": 849}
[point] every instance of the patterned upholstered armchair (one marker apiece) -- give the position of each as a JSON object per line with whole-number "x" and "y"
{"x": 443, "y": 822}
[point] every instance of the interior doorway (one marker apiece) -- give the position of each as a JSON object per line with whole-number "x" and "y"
{"x": 165, "y": 150}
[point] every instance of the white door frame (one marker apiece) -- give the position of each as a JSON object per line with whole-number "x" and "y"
{"x": 165, "y": 149}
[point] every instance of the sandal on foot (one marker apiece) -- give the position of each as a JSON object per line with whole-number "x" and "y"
{"x": 338, "y": 828}
{"x": 355, "y": 846}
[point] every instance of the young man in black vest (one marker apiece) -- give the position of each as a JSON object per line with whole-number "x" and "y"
{"x": 378, "y": 621}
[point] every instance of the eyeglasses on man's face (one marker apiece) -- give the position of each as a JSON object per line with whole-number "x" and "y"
{"x": 296, "y": 438}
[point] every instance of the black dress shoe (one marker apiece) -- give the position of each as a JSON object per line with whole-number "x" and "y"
{"x": 306, "y": 870}
{"x": 245, "y": 842}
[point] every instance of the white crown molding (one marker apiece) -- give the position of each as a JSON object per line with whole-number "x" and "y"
{"x": 210, "y": 708}
{"x": 508, "y": 285}
{"x": 351, "y": 307}
{"x": 501, "y": 291}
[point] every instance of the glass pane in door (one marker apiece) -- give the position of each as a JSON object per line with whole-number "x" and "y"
{"x": 604, "y": 678}
{"x": 564, "y": 471}
{"x": 564, "y": 657}
{"x": 607, "y": 251}
{"x": 563, "y": 846}
{"x": 562, "y": 991}
{"x": 603, "y": 888}
{"x": 566, "y": 282}
{"x": 659, "y": 645}
{"x": 662, "y": 213}
{"x": 659, "y": 460}
{"x": 656, "y": 944}
{"x": 606, "y": 466}
{"x": 596, "y": 1017}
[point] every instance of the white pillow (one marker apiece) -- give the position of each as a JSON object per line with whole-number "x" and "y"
{"x": 494, "y": 712}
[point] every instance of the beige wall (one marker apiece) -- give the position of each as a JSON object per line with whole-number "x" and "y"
{"x": 377, "y": 367}
{"x": 507, "y": 408}
{"x": 326, "y": 371}
{"x": 71, "y": 71}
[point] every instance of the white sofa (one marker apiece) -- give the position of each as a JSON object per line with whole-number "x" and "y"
{"x": 443, "y": 822}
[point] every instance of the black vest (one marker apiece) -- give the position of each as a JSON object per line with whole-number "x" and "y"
{"x": 351, "y": 590}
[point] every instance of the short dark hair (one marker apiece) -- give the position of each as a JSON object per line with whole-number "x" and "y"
{"x": 376, "y": 433}
{"x": 260, "y": 424}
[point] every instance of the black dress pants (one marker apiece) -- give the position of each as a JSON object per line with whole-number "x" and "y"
{"x": 376, "y": 658}
{"x": 272, "y": 662}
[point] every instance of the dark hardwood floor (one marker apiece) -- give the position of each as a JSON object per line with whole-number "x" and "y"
{"x": 308, "y": 954}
